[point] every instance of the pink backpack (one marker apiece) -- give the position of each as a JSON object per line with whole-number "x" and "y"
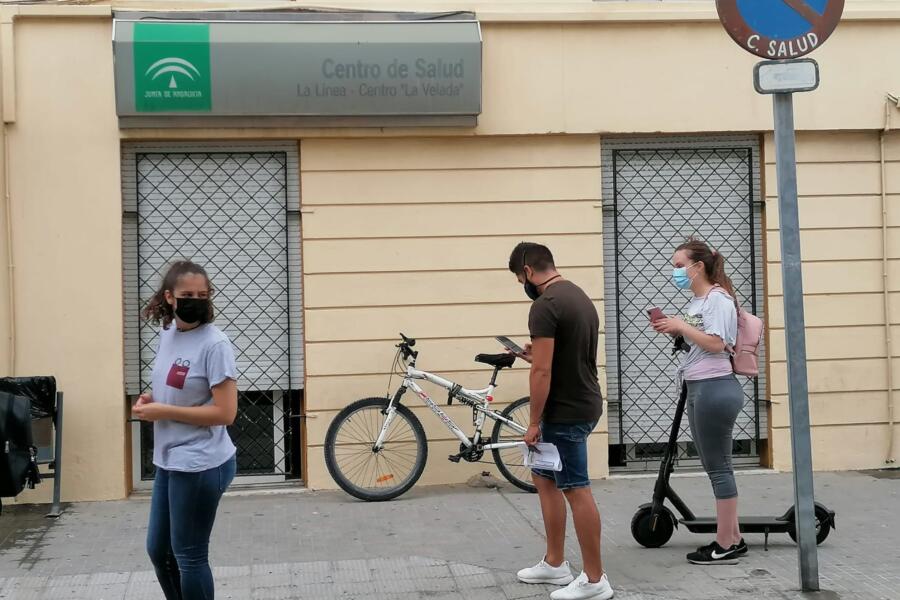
{"x": 745, "y": 353}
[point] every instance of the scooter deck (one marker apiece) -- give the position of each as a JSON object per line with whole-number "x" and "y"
{"x": 748, "y": 525}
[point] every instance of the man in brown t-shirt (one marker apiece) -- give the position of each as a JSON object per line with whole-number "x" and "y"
{"x": 566, "y": 404}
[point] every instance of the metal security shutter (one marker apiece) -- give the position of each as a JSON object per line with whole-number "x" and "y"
{"x": 657, "y": 192}
{"x": 234, "y": 210}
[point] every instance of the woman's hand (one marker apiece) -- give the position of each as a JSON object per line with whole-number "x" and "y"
{"x": 146, "y": 409}
{"x": 670, "y": 326}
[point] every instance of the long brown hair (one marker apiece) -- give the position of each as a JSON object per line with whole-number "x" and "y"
{"x": 713, "y": 263}
{"x": 158, "y": 311}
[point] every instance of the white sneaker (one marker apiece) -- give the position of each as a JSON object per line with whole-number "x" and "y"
{"x": 582, "y": 589}
{"x": 544, "y": 573}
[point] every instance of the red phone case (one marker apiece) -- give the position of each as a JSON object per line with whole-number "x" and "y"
{"x": 655, "y": 314}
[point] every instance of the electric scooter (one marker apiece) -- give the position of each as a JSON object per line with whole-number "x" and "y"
{"x": 654, "y": 523}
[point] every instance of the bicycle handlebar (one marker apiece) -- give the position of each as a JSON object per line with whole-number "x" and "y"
{"x": 406, "y": 347}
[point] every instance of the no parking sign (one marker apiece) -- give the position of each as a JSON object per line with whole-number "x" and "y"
{"x": 780, "y": 29}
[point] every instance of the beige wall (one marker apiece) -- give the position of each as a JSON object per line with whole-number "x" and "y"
{"x": 66, "y": 206}
{"x": 414, "y": 235}
{"x": 5, "y": 321}
{"x": 411, "y": 228}
{"x": 839, "y": 180}
{"x": 669, "y": 77}
{"x": 611, "y": 78}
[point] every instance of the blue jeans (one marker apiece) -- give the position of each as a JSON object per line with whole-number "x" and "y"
{"x": 182, "y": 513}
{"x": 570, "y": 440}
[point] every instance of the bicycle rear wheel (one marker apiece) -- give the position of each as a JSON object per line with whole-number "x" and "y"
{"x": 509, "y": 460}
{"x": 364, "y": 473}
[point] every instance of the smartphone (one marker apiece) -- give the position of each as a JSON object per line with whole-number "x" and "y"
{"x": 655, "y": 314}
{"x": 509, "y": 344}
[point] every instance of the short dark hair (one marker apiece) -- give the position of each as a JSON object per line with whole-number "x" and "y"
{"x": 536, "y": 256}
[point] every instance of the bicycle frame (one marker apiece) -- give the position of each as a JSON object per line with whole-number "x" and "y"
{"x": 477, "y": 399}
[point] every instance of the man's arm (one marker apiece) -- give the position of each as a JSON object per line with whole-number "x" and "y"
{"x": 539, "y": 384}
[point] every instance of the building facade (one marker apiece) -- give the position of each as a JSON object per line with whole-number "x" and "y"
{"x": 607, "y": 130}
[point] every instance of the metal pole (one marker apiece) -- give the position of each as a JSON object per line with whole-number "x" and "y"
{"x": 56, "y": 509}
{"x": 795, "y": 329}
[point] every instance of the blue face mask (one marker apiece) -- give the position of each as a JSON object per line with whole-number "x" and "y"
{"x": 680, "y": 277}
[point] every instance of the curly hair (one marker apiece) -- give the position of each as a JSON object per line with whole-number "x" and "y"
{"x": 158, "y": 311}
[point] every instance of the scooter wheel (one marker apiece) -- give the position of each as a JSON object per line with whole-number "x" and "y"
{"x": 651, "y": 535}
{"x": 823, "y": 525}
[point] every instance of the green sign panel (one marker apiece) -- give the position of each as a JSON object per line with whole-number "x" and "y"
{"x": 207, "y": 70}
{"x": 172, "y": 67}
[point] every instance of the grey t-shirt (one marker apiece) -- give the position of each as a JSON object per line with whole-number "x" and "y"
{"x": 714, "y": 314}
{"x": 188, "y": 365}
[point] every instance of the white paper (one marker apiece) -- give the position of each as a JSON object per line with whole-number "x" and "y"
{"x": 547, "y": 458}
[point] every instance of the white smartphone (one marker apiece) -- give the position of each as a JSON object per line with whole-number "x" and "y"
{"x": 510, "y": 345}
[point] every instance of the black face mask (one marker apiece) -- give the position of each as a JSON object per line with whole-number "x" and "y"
{"x": 192, "y": 310}
{"x": 531, "y": 290}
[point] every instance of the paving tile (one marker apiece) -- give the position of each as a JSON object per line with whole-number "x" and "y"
{"x": 448, "y": 543}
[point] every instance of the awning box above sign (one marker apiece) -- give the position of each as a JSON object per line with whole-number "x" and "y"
{"x": 269, "y": 70}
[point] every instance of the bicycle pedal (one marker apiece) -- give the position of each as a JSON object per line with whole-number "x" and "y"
{"x": 454, "y": 458}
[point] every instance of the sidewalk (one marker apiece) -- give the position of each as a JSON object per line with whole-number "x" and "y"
{"x": 450, "y": 543}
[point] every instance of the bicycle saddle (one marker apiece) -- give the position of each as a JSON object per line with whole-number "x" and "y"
{"x": 499, "y": 361}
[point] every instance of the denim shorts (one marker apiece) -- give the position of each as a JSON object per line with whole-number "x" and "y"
{"x": 571, "y": 441}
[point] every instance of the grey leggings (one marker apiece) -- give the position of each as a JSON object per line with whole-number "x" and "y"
{"x": 713, "y": 406}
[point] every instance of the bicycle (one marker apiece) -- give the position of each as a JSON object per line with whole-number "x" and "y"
{"x": 376, "y": 450}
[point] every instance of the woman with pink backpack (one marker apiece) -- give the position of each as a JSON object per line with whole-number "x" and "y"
{"x": 708, "y": 335}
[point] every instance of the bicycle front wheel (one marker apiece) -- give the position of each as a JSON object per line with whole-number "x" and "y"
{"x": 509, "y": 460}
{"x": 361, "y": 471}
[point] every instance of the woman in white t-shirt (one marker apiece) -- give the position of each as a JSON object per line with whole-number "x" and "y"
{"x": 194, "y": 398}
{"x": 706, "y": 333}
